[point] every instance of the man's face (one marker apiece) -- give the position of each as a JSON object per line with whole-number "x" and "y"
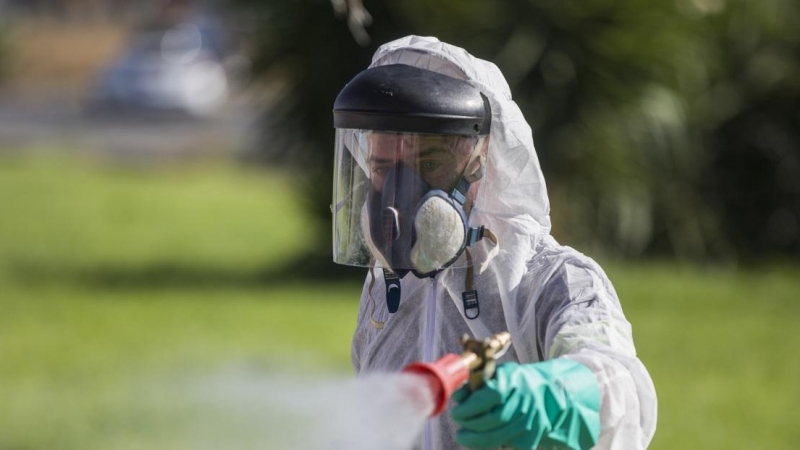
{"x": 438, "y": 160}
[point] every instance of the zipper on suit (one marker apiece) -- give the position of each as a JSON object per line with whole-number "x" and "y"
{"x": 428, "y": 351}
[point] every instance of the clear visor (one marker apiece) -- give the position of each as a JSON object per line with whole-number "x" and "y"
{"x": 391, "y": 204}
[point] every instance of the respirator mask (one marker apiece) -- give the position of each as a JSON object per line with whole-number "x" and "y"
{"x": 413, "y": 217}
{"x": 409, "y": 145}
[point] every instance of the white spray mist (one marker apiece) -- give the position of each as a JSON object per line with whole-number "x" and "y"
{"x": 245, "y": 410}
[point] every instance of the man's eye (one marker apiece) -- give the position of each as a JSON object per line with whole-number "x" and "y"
{"x": 428, "y": 166}
{"x": 380, "y": 170}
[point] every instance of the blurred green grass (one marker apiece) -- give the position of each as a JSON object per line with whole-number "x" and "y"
{"x": 115, "y": 278}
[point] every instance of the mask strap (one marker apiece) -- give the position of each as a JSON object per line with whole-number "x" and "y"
{"x": 477, "y": 162}
{"x": 392, "y": 282}
{"x": 475, "y": 168}
{"x": 470, "y": 176}
{"x": 469, "y": 297}
{"x": 375, "y": 323}
{"x": 459, "y": 193}
{"x": 487, "y": 233}
{"x": 469, "y": 279}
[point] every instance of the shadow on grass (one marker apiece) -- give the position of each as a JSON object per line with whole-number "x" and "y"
{"x": 308, "y": 268}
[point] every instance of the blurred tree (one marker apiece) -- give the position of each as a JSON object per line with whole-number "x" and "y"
{"x": 749, "y": 121}
{"x": 618, "y": 94}
{"x": 4, "y": 56}
{"x": 305, "y": 55}
{"x": 5, "y": 43}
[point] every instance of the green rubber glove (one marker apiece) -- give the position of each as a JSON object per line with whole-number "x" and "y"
{"x": 551, "y": 404}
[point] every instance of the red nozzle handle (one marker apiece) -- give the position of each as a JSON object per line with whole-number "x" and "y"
{"x": 444, "y": 376}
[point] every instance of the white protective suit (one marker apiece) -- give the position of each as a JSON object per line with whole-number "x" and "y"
{"x": 555, "y": 302}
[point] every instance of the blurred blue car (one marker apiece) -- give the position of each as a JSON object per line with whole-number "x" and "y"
{"x": 179, "y": 70}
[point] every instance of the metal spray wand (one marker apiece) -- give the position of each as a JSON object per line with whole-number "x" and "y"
{"x": 474, "y": 366}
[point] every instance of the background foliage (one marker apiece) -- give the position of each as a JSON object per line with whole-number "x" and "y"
{"x": 132, "y": 289}
{"x": 4, "y": 52}
{"x": 664, "y": 128}
{"x": 131, "y": 295}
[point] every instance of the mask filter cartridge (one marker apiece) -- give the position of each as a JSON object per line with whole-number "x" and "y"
{"x": 440, "y": 233}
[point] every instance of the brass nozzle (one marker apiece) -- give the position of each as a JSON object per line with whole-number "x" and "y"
{"x": 481, "y": 356}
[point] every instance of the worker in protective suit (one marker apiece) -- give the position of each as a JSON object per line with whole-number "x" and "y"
{"x": 438, "y": 191}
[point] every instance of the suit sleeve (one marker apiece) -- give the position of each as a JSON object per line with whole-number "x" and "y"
{"x": 579, "y": 317}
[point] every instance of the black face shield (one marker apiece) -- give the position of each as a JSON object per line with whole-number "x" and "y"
{"x": 408, "y": 99}
{"x": 405, "y": 137}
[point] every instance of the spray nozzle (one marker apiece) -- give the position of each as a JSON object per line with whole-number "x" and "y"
{"x": 475, "y": 365}
{"x": 481, "y": 356}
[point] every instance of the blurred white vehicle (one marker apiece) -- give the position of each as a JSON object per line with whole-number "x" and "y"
{"x": 174, "y": 71}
